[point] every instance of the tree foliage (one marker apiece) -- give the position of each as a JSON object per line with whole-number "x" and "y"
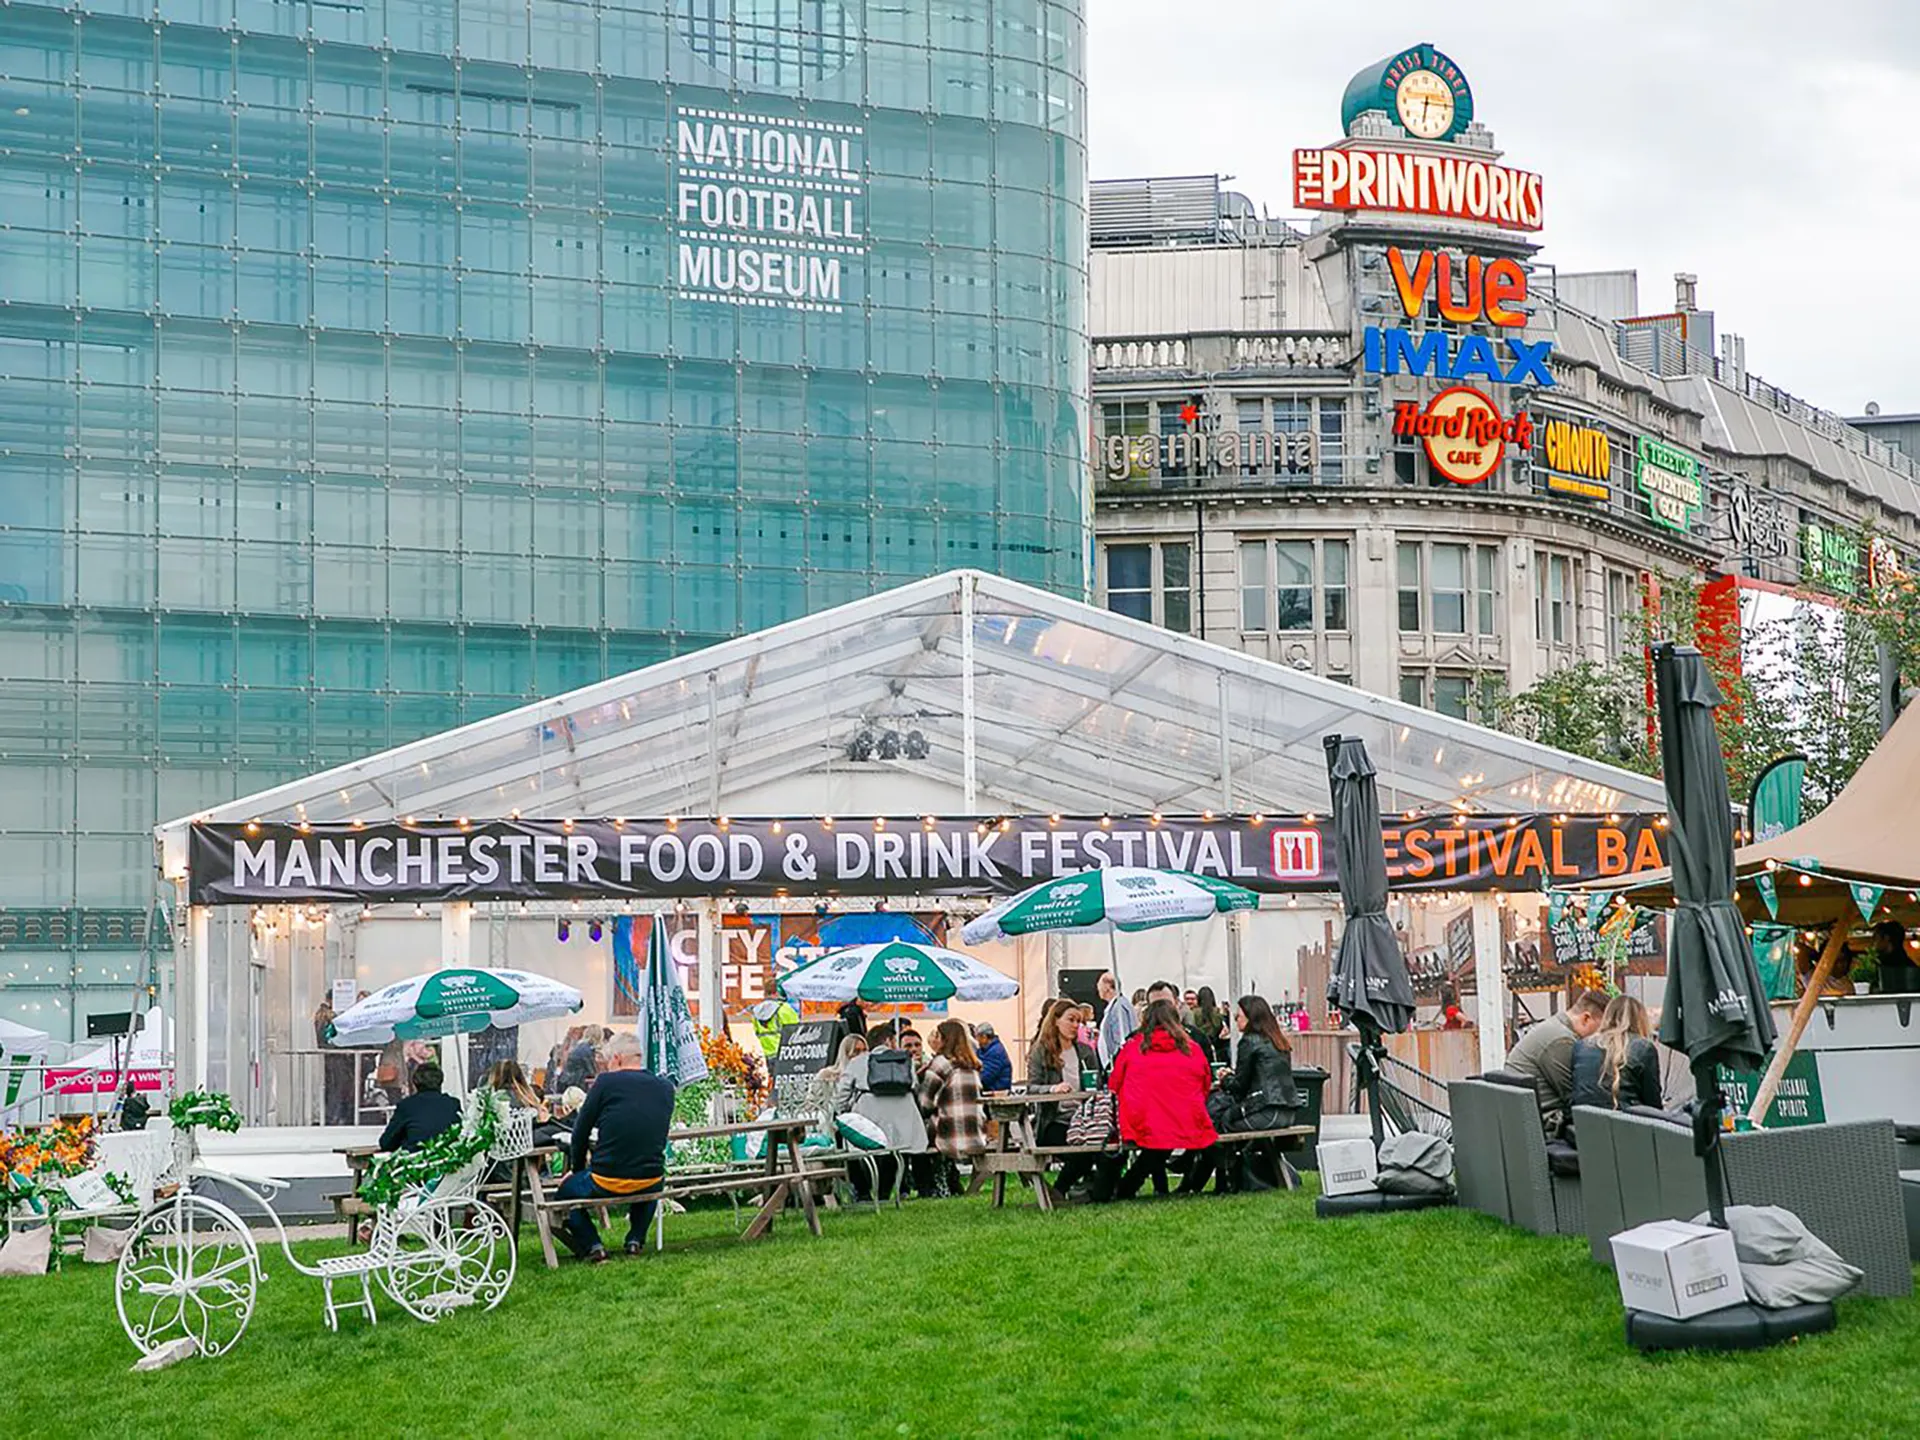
{"x": 1808, "y": 682}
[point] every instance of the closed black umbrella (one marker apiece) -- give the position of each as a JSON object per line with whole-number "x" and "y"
{"x": 1369, "y": 983}
{"x": 1716, "y": 1007}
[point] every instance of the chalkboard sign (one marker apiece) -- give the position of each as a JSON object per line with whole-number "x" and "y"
{"x": 1460, "y": 951}
{"x": 1797, "y": 1102}
{"x": 807, "y": 1048}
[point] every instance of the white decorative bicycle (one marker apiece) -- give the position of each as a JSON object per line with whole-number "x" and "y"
{"x": 192, "y": 1269}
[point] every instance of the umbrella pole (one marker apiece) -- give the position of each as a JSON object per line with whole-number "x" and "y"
{"x": 1113, "y": 958}
{"x": 1706, "y": 1140}
{"x": 1777, "y": 1067}
{"x": 1369, "y": 1063}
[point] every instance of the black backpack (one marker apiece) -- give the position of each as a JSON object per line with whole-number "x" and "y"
{"x": 890, "y": 1072}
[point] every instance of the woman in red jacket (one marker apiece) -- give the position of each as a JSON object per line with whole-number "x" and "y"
{"x": 1162, "y": 1079}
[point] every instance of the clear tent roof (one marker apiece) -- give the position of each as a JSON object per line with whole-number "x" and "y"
{"x": 1070, "y": 708}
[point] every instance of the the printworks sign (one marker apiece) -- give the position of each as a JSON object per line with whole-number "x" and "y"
{"x": 615, "y": 860}
{"x": 1829, "y": 558}
{"x": 1576, "y": 459}
{"x": 1356, "y": 176}
{"x": 1670, "y": 479}
{"x": 766, "y": 211}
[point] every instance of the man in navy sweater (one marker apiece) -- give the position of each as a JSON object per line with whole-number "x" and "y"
{"x": 619, "y": 1148}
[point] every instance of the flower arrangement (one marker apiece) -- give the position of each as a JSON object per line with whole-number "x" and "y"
{"x": 733, "y": 1065}
{"x": 198, "y": 1108}
{"x": 391, "y": 1176}
{"x": 32, "y": 1165}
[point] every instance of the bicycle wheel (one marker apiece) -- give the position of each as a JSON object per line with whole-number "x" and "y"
{"x": 449, "y": 1254}
{"x": 189, "y": 1269}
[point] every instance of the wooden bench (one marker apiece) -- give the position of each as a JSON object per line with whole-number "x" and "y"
{"x": 774, "y": 1187}
{"x": 349, "y": 1209}
{"x": 1048, "y": 1154}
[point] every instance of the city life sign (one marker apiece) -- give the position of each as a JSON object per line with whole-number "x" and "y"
{"x": 1355, "y": 176}
{"x": 1758, "y": 524}
{"x": 1577, "y": 459}
{"x": 766, "y": 211}
{"x": 611, "y": 861}
{"x": 1670, "y": 479}
{"x": 1464, "y": 433}
{"x": 1829, "y": 558}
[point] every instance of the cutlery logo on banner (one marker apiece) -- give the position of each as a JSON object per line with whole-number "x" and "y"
{"x": 1296, "y": 854}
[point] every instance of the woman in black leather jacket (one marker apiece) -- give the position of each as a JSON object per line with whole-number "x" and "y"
{"x": 1258, "y": 1095}
{"x": 1261, "y": 1086}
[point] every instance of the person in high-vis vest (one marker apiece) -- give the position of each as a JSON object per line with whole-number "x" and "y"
{"x": 769, "y": 1017}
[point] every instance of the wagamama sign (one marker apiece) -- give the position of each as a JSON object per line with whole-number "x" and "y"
{"x": 766, "y": 211}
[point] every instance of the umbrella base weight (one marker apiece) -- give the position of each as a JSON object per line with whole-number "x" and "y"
{"x": 1375, "y": 1202}
{"x": 1739, "y": 1327}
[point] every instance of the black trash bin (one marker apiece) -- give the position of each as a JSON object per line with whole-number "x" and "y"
{"x": 1310, "y": 1081}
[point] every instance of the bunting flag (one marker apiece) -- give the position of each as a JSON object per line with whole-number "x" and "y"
{"x": 1769, "y": 892}
{"x": 1556, "y": 906}
{"x": 1867, "y": 897}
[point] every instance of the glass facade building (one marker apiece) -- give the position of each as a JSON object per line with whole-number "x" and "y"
{"x": 370, "y": 368}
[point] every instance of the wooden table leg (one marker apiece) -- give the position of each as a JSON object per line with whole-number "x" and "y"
{"x": 806, "y": 1186}
{"x": 542, "y": 1221}
{"x": 763, "y": 1222}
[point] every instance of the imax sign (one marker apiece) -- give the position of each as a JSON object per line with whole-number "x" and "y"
{"x": 1466, "y": 357}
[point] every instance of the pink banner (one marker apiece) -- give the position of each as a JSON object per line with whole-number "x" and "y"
{"x": 103, "y": 1082}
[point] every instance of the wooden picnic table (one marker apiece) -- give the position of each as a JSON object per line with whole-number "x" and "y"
{"x": 1014, "y": 1154}
{"x": 784, "y": 1171}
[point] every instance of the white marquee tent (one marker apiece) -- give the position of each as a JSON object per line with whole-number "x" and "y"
{"x": 1026, "y": 703}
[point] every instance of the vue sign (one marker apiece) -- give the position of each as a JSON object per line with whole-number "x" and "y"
{"x": 1492, "y": 288}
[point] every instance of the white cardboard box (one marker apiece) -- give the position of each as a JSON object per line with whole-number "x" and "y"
{"x": 1347, "y": 1167}
{"x": 1677, "y": 1269}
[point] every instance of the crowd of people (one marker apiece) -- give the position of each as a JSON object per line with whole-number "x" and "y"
{"x": 1181, "y": 1076}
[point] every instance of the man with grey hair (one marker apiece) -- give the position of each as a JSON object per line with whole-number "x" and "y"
{"x": 1118, "y": 1021}
{"x": 619, "y": 1147}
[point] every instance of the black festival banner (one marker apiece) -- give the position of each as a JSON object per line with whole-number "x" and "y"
{"x": 673, "y": 859}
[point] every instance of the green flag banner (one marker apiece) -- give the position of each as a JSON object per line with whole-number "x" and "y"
{"x": 1867, "y": 897}
{"x": 1773, "y": 807}
{"x": 1769, "y": 890}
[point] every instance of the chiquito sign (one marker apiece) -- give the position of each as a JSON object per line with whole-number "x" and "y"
{"x": 615, "y": 860}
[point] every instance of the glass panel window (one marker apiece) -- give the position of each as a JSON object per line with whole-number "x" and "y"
{"x": 1451, "y": 694}
{"x": 1130, "y": 580}
{"x": 1333, "y": 441}
{"x": 1413, "y": 687}
{"x": 1409, "y": 563}
{"x": 1253, "y": 585}
{"x": 1176, "y": 440}
{"x": 1176, "y": 587}
{"x": 1333, "y": 584}
{"x": 1293, "y": 584}
{"x": 1449, "y": 571}
{"x": 1560, "y": 599}
{"x": 1623, "y": 601}
{"x": 1252, "y": 415}
{"x": 1486, "y": 557}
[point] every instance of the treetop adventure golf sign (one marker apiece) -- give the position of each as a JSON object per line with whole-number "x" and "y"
{"x": 664, "y": 859}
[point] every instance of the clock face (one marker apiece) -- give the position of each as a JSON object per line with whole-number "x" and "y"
{"x": 1425, "y": 103}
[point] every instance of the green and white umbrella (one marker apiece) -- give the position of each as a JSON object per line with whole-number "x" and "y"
{"x": 1114, "y": 897}
{"x": 896, "y": 973}
{"x": 454, "y": 1001}
{"x": 665, "y": 1027}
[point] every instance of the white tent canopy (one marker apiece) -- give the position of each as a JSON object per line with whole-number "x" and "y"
{"x": 1001, "y": 698}
{"x": 1027, "y": 701}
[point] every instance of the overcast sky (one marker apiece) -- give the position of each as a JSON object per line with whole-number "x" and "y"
{"x": 1772, "y": 147}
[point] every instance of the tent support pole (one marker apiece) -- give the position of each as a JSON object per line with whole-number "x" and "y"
{"x": 1490, "y": 982}
{"x": 1226, "y": 744}
{"x": 969, "y": 757}
{"x": 1783, "y": 1052}
{"x": 456, "y": 951}
{"x": 707, "y": 942}
{"x": 191, "y": 987}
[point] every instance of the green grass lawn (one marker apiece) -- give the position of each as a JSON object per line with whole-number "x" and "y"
{"x": 1220, "y": 1316}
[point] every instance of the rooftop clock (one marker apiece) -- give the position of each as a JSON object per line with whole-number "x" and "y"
{"x": 1420, "y": 88}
